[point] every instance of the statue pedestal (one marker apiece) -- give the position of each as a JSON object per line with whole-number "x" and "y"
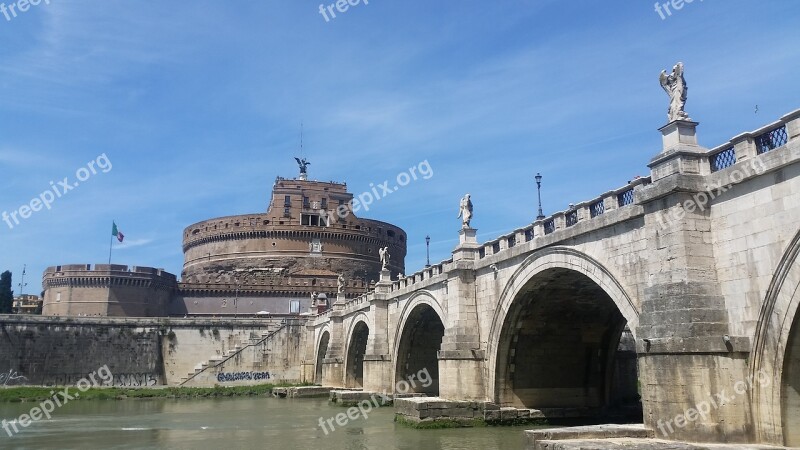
{"x": 386, "y": 276}
{"x": 680, "y": 153}
{"x": 467, "y": 245}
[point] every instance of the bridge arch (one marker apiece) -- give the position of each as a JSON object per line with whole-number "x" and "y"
{"x": 357, "y": 336}
{"x": 321, "y": 349}
{"x": 418, "y": 339}
{"x": 776, "y": 355}
{"x": 562, "y": 336}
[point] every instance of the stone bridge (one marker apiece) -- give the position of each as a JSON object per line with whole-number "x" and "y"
{"x": 678, "y": 292}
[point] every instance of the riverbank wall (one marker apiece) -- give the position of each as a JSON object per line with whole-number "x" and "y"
{"x": 146, "y": 352}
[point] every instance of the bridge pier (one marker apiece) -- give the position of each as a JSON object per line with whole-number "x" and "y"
{"x": 333, "y": 365}
{"x": 689, "y": 365}
{"x": 378, "y": 369}
{"x": 461, "y": 356}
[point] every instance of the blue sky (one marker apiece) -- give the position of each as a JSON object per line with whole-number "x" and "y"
{"x": 199, "y": 108}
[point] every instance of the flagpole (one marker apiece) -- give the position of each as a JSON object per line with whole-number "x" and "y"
{"x": 110, "y": 244}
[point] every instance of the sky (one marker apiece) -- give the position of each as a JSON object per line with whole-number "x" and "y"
{"x": 189, "y": 111}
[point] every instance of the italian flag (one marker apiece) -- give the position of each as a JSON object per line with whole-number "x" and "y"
{"x": 115, "y": 232}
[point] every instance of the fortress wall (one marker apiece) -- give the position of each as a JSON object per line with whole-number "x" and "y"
{"x": 139, "y": 352}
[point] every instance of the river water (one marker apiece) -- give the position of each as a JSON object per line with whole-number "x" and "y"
{"x": 234, "y": 423}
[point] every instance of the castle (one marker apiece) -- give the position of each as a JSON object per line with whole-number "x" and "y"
{"x": 306, "y": 248}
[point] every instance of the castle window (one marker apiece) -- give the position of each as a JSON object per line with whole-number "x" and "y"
{"x": 286, "y": 213}
{"x": 294, "y": 307}
{"x": 324, "y": 203}
{"x": 390, "y": 233}
{"x": 287, "y": 201}
{"x": 306, "y": 202}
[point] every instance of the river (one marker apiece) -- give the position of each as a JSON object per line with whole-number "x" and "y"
{"x": 234, "y": 423}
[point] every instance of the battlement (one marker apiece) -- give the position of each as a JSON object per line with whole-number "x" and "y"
{"x": 249, "y": 226}
{"x": 107, "y": 275}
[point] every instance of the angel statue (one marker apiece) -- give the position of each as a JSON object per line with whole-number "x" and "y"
{"x": 675, "y": 86}
{"x": 341, "y": 282}
{"x": 384, "y": 253}
{"x": 465, "y": 211}
{"x": 303, "y": 163}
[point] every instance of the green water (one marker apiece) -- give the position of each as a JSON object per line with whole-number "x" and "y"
{"x": 239, "y": 423}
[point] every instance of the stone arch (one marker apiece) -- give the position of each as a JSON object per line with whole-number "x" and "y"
{"x": 357, "y": 336}
{"x": 778, "y": 335}
{"x": 562, "y": 304}
{"x": 321, "y": 349}
{"x": 418, "y": 339}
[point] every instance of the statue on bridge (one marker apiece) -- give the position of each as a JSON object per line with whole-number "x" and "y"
{"x": 384, "y": 252}
{"x": 465, "y": 211}
{"x": 340, "y": 283}
{"x": 675, "y": 86}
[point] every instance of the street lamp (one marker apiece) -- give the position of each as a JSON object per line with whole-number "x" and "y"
{"x": 539, "y": 190}
{"x": 428, "y": 250}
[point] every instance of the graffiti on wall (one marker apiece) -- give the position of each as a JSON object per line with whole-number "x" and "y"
{"x": 120, "y": 379}
{"x": 229, "y": 377}
{"x": 10, "y": 377}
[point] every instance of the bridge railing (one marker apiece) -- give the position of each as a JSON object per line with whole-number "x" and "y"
{"x": 574, "y": 215}
{"x": 753, "y": 143}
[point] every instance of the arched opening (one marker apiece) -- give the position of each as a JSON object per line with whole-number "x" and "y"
{"x": 775, "y": 358}
{"x": 565, "y": 345}
{"x": 418, "y": 352}
{"x": 790, "y": 388}
{"x": 355, "y": 356}
{"x": 321, "y": 352}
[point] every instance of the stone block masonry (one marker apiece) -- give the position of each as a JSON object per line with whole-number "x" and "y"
{"x": 147, "y": 352}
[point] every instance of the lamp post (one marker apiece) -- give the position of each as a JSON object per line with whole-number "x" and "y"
{"x": 22, "y": 282}
{"x": 428, "y": 250}
{"x": 539, "y": 190}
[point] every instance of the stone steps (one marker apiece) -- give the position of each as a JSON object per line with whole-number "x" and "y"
{"x": 214, "y": 361}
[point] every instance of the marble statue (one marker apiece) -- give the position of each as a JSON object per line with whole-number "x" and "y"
{"x": 465, "y": 211}
{"x": 675, "y": 86}
{"x": 384, "y": 253}
{"x": 340, "y": 282}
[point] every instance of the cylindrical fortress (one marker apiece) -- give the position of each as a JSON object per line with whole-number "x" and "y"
{"x": 107, "y": 290}
{"x": 309, "y": 226}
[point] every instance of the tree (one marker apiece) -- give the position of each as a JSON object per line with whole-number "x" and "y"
{"x": 6, "y": 294}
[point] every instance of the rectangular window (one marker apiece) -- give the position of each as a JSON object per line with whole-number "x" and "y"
{"x": 287, "y": 201}
{"x": 294, "y": 307}
{"x": 306, "y": 203}
{"x": 324, "y": 203}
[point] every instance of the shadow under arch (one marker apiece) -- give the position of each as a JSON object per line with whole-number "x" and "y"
{"x": 322, "y": 349}
{"x": 417, "y": 343}
{"x": 776, "y": 355}
{"x": 356, "y": 349}
{"x": 563, "y": 337}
